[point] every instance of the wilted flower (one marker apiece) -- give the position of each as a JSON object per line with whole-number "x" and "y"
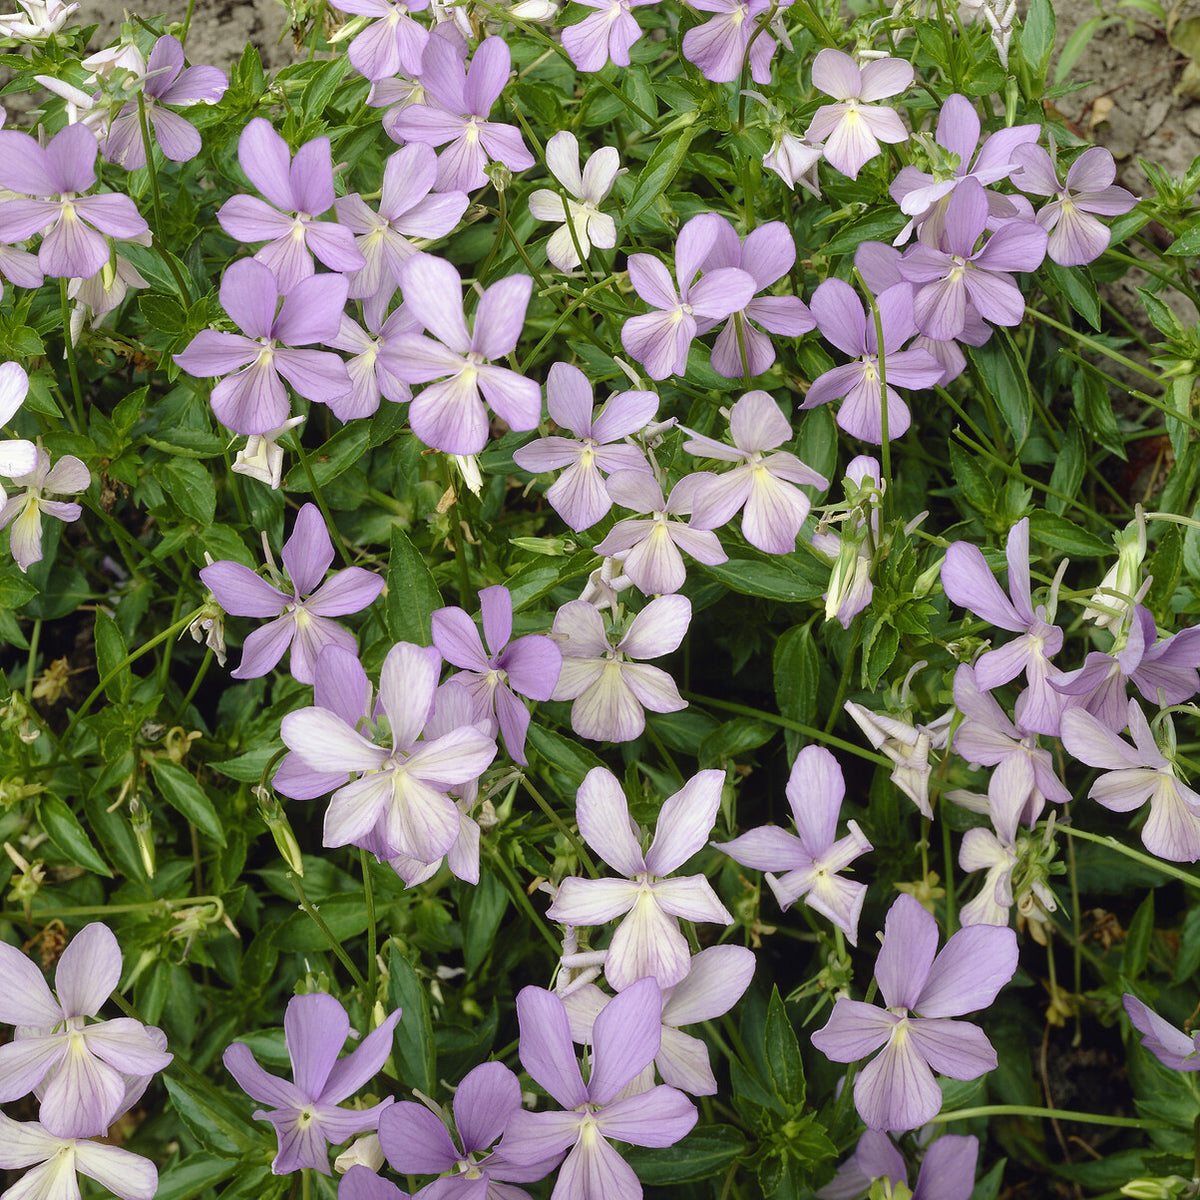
{"x": 261, "y": 457}
{"x": 580, "y": 209}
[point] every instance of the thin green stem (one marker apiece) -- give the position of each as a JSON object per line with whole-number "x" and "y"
{"x": 1028, "y": 1110}
{"x": 372, "y": 951}
{"x": 31, "y": 669}
{"x": 194, "y": 687}
{"x": 518, "y": 894}
{"x": 72, "y": 366}
{"x": 323, "y": 926}
{"x": 1113, "y": 844}
{"x": 306, "y": 463}
{"x": 1092, "y": 344}
{"x": 561, "y": 825}
{"x": 155, "y": 194}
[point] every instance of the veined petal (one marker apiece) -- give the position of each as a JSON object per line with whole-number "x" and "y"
{"x": 593, "y": 901}
{"x": 896, "y": 1091}
{"x": 625, "y": 1038}
{"x": 546, "y": 1049}
{"x": 647, "y": 942}
{"x": 323, "y": 741}
{"x": 854, "y": 1030}
{"x": 684, "y": 822}
{"x": 603, "y": 817}
{"x": 955, "y": 1048}
{"x": 692, "y": 898}
{"x": 659, "y": 1117}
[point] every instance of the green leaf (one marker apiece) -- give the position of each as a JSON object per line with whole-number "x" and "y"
{"x": 1004, "y": 375}
{"x": 209, "y": 1116}
{"x": 163, "y": 313}
{"x": 661, "y": 168}
{"x": 782, "y": 1052}
{"x": 186, "y": 796}
{"x": 792, "y": 580}
{"x": 879, "y": 651}
{"x": 322, "y": 87}
{"x": 1094, "y": 410}
{"x": 345, "y": 914}
{"x": 415, "y": 1055}
{"x": 248, "y": 767}
{"x": 199, "y": 1171}
{"x": 483, "y": 908}
{"x": 1162, "y": 316}
{"x": 190, "y": 443}
{"x": 62, "y": 827}
{"x": 110, "y": 652}
{"x": 189, "y": 486}
{"x": 412, "y": 596}
{"x": 797, "y": 670}
{"x": 562, "y": 752}
{"x": 970, "y": 476}
{"x": 733, "y": 738}
{"x": 874, "y": 226}
{"x": 1188, "y": 242}
{"x": 1137, "y": 940}
{"x": 1188, "y": 962}
{"x": 540, "y": 577}
{"x": 346, "y": 448}
{"x": 1037, "y": 37}
{"x": 1069, "y": 467}
{"x": 1061, "y": 534}
{"x": 1077, "y": 288}
{"x": 705, "y": 1153}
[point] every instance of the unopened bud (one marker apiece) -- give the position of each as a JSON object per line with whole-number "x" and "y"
{"x": 272, "y": 814}
{"x": 139, "y": 820}
{"x": 365, "y": 1152}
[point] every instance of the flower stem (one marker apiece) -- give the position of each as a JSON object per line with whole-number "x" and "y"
{"x": 323, "y": 926}
{"x": 1027, "y": 1110}
{"x": 155, "y": 194}
{"x": 1145, "y": 859}
{"x": 72, "y": 366}
{"x": 368, "y": 889}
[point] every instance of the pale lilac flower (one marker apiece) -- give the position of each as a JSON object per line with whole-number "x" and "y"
{"x": 969, "y": 582}
{"x": 1167, "y": 667}
{"x": 104, "y": 290}
{"x": 651, "y": 547}
{"x": 299, "y": 189}
{"x": 1169, "y": 1045}
{"x": 391, "y": 44}
{"x": 301, "y": 619}
{"x": 609, "y": 688}
{"x": 1100, "y": 686}
{"x": 80, "y": 1070}
{"x": 450, "y": 414}
{"x": 78, "y": 227}
{"x": 416, "y": 1141}
{"x": 166, "y": 82}
{"x": 659, "y": 340}
{"x": 1076, "y": 237}
{"x": 399, "y": 796}
{"x": 261, "y": 457}
{"x": 580, "y": 208}
{"x": 18, "y": 456}
{"x": 897, "y": 1091}
{"x": 718, "y": 47}
{"x": 766, "y": 485}
{"x": 254, "y": 400}
{"x": 923, "y": 196}
{"x": 529, "y": 665}
{"x": 794, "y": 160}
{"x": 844, "y": 321}
{"x": 716, "y": 979}
{"x": 853, "y": 128}
{"x": 811, "y": 862}
{"x": 407, "y": 209}
{"x": 579, "y": 495}
{"x": 606, "y": 36}
{"x": 648, "y": 942}
{"x": 953, "y": 273}
{"x": 766, "y": 255}
{"x": 306, "y": 1114}
{"x": 1135, "y": 774}
{"x": 371, "y": 376}
{"x": 56, "y": 1160}
{"x": 947, "y": 1170}
{"x": 460, "y": 101}
{"x": 625, "y": 1039}
{"x": 23, "y": 510}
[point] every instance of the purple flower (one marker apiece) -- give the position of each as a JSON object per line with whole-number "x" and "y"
{"x": 651, "y": 548}
{"x": 947, "y": 1170}
{"x": 1169, "y": 1045}
{"x": 254, "y": 400}
{"x": 924, "y": 197}
{"x": 815, "y": 791}
{"x": 604, "y": 37}
{"x": 1076, "y": 237}
{"x": 716, "y": 980}
{"x": 370, "y": 376}
{"x": 301, "y": 619}
{"x": 450, "y": 415}
{"x": 23, "y": 511}
{"x": 406, "y": 210}
{"x": 529, "y": 665}
{"x": 968, "y": 581}
{"x": 718, "y": 47}
{"x": 461, "y": 100}
{"x": 80, "y": 1070}
{"x": 766, "y": 485}
{"x": 390, "y": 45}
{"x": 19, "y": 457}
{"x": 896, "y": 1090}
{"x": 305, "y": 1113}
{"x": 766, "y": 255}
{"x": 55, "y": 1161}
{"x": 300, "y": 190}
{"x": 416, "y": 1141}
{"x": 955, "y": 273}
{"x": 853, "y": 129}
{"x": 610, "y": 691}
{"x": 844, "y": 321}
{"x": 1135, "y": 774}
{"x": 167, "y": 82}
{"x": 1169, "y": 665}
{"x": 648, "y": 942}
{"x": 625, "y": 1039}
{"x": 399, "y": 794}
{"x": 75, "y": 244}
{"x": 660, "y": 340}
{"x": 579, "y": 495}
